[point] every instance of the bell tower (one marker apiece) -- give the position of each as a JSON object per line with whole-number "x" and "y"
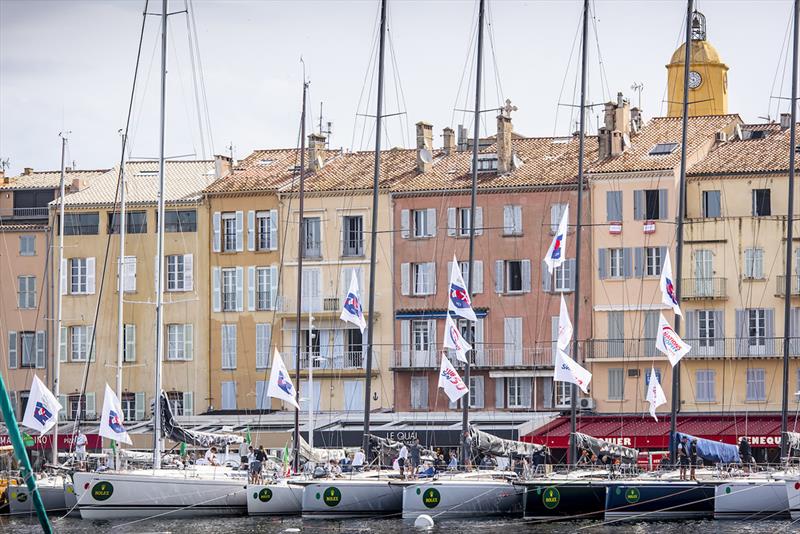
{"x": 708, "y": 76}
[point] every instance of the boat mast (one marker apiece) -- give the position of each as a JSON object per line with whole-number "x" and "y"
{"x": 676, "y": 369}
{"x": 577, "y": 302}
{"x": 310, "y": 382}
{"x": 787, "y": 295}
{"x": 160, "y": 245}
{"x": 123, "y": 227}
{"x": 465, "y": 400}
{"x": 300, "y": 241}
{"x": 60, "y": 295}
{"x": 373, "y": 243}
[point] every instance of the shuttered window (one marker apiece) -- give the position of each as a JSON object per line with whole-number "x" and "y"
{"x": 616, "y": 383}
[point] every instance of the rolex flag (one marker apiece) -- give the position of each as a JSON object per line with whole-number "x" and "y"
{"x": 352, "y": 311}
{"x": 568, "y": 370}
{"x": 556, "y": 255}
{"x": 564, "y": 326}
{"x": 111, "y": 426}
{"x": 655, "y": 394}
{"x": 667, "y": 285}
{"x": 454, "y": 340}
{"x": 459, "y": 302}
{"x": 42, "y": 409}
{"x": 450, "y": 381}
{"x": 668, "y": 342}
{"x": 280, "y": 384}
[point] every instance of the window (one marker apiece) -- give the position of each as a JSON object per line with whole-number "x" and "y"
{"x": 312, "y": 237}
{"x": 229, "y": 231}
{"x": 229, "y": 346}
{"x": 563, "y": 277}
{"x": 513, "y": 276}
{"x": 266, "y": 230}
{"x": 263, "y": 341}
{"x": 26, "y": 296}
{"x": 128, "y": 405}
{"x": 27, "y": 345}
{"x": 762, "y": 207}
{"x": 652, "y": 261}
{"x": 649, "y": 204}
{"x": 756, "y": 388}
{"x": 487, "y": 163}
{"x": 706, "y": 328}
{"x": 23, "y": 401}
{"x": 27, "y": 245}
{"x": 518, "y": 392}
{"x": 229, "y": 290}
{"x": 81, "y": 273}
{"x": 663, "y": 149}
{"x": 229, "y": 395}
{"x": 180, "y": 342}
{"x": 81, "y": 223}
{"x": 462, "y": 221}
{"x": 613, "y": 206}
{"x": 353, "y": 235}
{"x": 354, "y": 348}
{"x": 754, "y": 263}
{"x": 705, "y": 380}
{"x": 422, "y": 223}
{"x": 616, "y": 384}
{"x": 476, "y": 389}
{"x": 176, "y": 402}
{"x": 556, "y": 213}
{"x": 180, "y": 272}
{"x": 712, "y": 207}
{"x": 266, "y": 285}
{"x": 420, "y": 335}
{"x": 424, "y": 278}
{"x": 180, "y": 221}
{"x": 77, "y": 406}
{"x": 563, "y": 394}
{"x": 616, "y": 269}
{"x": 136, "y": 222}
{"x": 651, "y": 210}
{"x": 80, "y": 340}
{"x": 757, "y": 326}
{"x": 419, "y": 392}
{"x": 512, "y": 220}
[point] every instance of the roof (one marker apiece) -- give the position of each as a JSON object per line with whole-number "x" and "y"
{"x": 354, "y": 171}
{"x": 702, "y": 52}
{"x": 700, "y": 132}
{"x": 48, "y": 179}
{"x": 765, "y": 151}
{"x": 185, "y": 180}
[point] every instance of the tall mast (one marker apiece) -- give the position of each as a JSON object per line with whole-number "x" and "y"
{"x": 465, "y": 400}
{"x": 676, "y": 369}
{"x": 60, "y": 294}
{"x": 787, "y": 295}
{"x": 310, "y": 394}
{"x": 160, "y": 245}
{"x": 373, "y": 243}
{"x": 123, "y": 227}
{"x": 300, "y": 241}
{"x": 577, "y": 302}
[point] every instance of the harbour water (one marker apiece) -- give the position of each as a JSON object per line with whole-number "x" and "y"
{"x": 238, "y": 525}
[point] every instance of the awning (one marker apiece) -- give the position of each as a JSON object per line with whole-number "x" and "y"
{"x": 642, "y": 432}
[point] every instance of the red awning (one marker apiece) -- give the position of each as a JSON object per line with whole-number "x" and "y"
{"x": 642, "y": 432}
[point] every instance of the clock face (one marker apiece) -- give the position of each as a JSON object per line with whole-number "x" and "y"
{"x": 694, "y": 80}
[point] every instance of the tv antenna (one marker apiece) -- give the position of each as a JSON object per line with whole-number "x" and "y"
{"x": 5, "y": 164}
{"x": 638, "y": 87}
{"x": 327, "y": 130}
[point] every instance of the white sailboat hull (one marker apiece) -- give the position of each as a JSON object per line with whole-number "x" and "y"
{"x": 350, "y": 498}
{"x": 274, "y": 499}
{"x": 793, "y": 497}
{"x": 143, "y": 494}
{"x": 52, "y": 491}
{"x": 467, "y": 498}
{"x": 751, "y": 499}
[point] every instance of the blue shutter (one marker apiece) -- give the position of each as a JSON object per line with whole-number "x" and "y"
{"x": 663, "y": 212}
{"x": 602, "y": 264}
{"x": 638, "y": 261}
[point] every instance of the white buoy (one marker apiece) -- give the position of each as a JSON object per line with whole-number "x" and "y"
{"x": 423, "y": 521}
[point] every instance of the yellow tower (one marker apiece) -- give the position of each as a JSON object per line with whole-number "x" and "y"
{"x": 708, "y": 76}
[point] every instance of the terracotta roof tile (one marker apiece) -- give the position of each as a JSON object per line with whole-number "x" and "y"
{"x": 48, "y": 179}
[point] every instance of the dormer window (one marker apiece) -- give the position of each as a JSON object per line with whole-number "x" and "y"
{"x": 663, "y": 149}
{"x": 264, "y": 162}
{"x": 487, "y": 163}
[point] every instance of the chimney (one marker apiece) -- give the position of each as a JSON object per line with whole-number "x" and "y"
{"x": 449, "y": 140}
{"x": 504, "y": 129}
{"x": 786, "y": 121}
{"x": 424, "y": 146}
{"x": 223, "y": 165}
{"x": 617, "y": 119}
{"x": 462, "y": 138}
{"x": 316, "y": 144}
{"x": 77, "y": 185}
{"x": 6, "y": 179}
{"x": 637, "y": 121}
{"x": 28, "y": 171}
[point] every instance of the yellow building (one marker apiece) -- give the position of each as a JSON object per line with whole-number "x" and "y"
{"x": 90, "y": 278}
{"x": 708, "y": 76}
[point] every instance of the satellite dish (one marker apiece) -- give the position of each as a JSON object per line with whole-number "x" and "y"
{"x": 516, "y": 161}
{"x": 738, "y": 132}
{"x": 425, "y": 155}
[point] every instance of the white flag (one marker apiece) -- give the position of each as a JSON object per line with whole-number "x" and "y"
{"x": 459, "y": 302}
{"x": 655, "y": 395}
{"x": 556, "y": 254}
{"x": 454, "y": 340}
{"x": 42, "y": 409}
{"x": 352, "y": 311}
{"x": 280, "y": 383}
{"x": 564, "y": 326}
{"x": 568, "y": 370}
{"x": 667, "y": 285}
{"x": 668, "y": 342}
{"x": 450, "y": 381}
{"x": 111, "y": 426}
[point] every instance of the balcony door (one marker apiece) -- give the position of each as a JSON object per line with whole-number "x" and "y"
{"x": 703, "y": 273}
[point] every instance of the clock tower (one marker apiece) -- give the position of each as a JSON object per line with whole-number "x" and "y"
{"x": 708, "y": 76}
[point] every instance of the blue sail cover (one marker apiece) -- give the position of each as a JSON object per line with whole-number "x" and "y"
{"x": 713, "y": 451}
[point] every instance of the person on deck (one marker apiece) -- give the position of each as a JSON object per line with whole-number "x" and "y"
{"x": 466, "y": 450}
{"x": 745, "y": 453}
{"x": 80, "y": 449}
{"x": 683, "y": 456}
{"x": 211, "y": 456}
{"x": 453, "y": 464}
{"x": 584, "y": 460}
{"x": 402, "y": 458}
{"x": 358, "y": 460}
{"x": 692, "y": 459}
{"x": 415, "y": 457}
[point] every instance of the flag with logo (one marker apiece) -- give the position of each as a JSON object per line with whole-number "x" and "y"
{"x": 454, "y": 340}
{"x": 459, "y": 302}
{"x": 670, "y": 343}
{"x": 667, "y": 285}
{"x": 564, "y": 326}
{"x": 556, "y": 254}
{"x": 655, "y": 394}
{"x": 280, "y": 384}
{"x": 450, "y": 381}
{"x": 352, "y": 311}
{"x": 111, "y": 423}
{"x": 42, "y": 409}
{"x": 568, "y": 370}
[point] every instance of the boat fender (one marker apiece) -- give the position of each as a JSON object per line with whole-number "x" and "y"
{"x": 423, "y": 521}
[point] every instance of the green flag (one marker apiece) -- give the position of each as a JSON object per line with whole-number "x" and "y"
{"x": 114, "y": 445}
{"x": 247, "y": 437}
{"x": 183, "y": 449}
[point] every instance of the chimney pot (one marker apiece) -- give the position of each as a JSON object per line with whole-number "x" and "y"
{"x": 617, "y": 119}
{"x": 28, "y": 171}
{"x": 77, "y": 185}
{"x": 223, "y": 165}
{"x": 424, "y": 143}
{"x": 449, "y": 140}
{"x": 316, "y": 144}
{"x": 786, "y": 121}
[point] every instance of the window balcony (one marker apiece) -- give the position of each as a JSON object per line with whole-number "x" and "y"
{"x": 706, "y": 348}
{"x": 24, "y": 213}
{"x": 780, "y": 289}
{"x": 334, "y": 360}
{"x": 314, "y": 304}
{"x": 703, "y": 289}
{"x": 540, "y": 356}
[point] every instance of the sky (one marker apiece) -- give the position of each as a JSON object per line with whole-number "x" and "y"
{"x": 69, "y": 66}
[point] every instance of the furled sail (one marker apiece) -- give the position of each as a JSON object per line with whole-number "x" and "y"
{"x": 172, "y": 430}
{"x": 793, "y": 440}
{"x": 486, "y": 443}
{"x": 320, "y": 456}
{"x": 601, "y": 448}
{"x": 387, "y": 449}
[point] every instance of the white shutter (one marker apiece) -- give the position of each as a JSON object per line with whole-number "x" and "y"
{"x": 188, "y": 272}
{"x": 477, "y": 277}
{"x": 251, "y": 230}
{"x": 188, "y": 341}
{"x": 478, "y": 221}
{"x": 405, "y": 342}
{"x": 40, "y": 349}
{"x": 432, "y": 350}
{"x": 130, "y": 342}
{"x": 216, "y": 297}
{"x": 139, "y": 403}
{"x": 451, "y": 221}
{"x": 228, "y": 395}
{"x": 129, "y": 280}
{"x": 499, "y": 271}
{"x": 273, "y": 229}
{"x": 273, "y": 286}
{"x": 12, "y": 350}
{"x": 251, "y": 288}
{"x": 404, "y": 224}
{"x": 430, "y": 222}
{"x": 239, "y": 231}
{"x": 263, "y": 342}
{"x": 91, "y": 412}
{"x": 508, "y": 220}
{"x": 517, "y": 220}
{"x": 217, "y": 237}
{"x": 239, "y": 289}
{"x": 431, "y": 278}
{"x": 62, "y": 413}
{"x": 478, "y": 342}
{"x": 499, "y": 392}
{"x": 526, "y": 276}
{"x": 90, "y": 279}
{"x": 62, "y": 346}
{"x": 338, "y": 349}
{"x": 405, "y": 273}
{"x": 64, "y": 286}
{"x": 188, "y": 403}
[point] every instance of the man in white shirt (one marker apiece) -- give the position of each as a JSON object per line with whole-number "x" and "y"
{"x": 358, "y": 460}
{"x": 211, "y": 456}
{"x": 80, "y": 449}
{"x": 402, "y": 459}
